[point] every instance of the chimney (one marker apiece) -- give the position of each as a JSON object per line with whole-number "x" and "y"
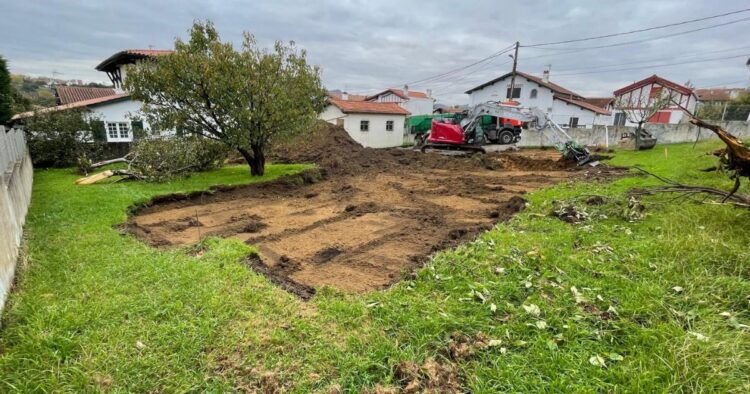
{"x": 406, "y": 91}
{"x": 344, "y": 96}
{"x": 429, "y": 93}
{"x": 545, "y": 74}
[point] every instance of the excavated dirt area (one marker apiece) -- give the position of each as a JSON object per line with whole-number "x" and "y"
{"x": 366, "y": 218}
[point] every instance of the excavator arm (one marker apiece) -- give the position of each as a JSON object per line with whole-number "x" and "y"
{"x": 540, "y": 120}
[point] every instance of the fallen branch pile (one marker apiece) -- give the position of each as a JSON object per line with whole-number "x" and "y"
{"x": 734, "y": 159}
{"x": 690, "y": 190}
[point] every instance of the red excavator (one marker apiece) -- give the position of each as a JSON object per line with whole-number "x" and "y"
{"x": 470, "y": 133}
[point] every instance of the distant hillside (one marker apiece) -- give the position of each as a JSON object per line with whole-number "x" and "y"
{"x": 38, "y": 92}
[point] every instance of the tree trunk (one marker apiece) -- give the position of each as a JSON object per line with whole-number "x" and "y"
{"x": 256, "y": 160}
{"x": 638, "y": 136}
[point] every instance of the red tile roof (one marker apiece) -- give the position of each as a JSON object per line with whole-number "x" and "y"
{"x": 654, "y": 79}
{"x": 70, "y": 94}
{"x": 582, "y": 104}
{"x": 601, "y": 102}
{"x": 77, "y": 104}
{"x": 129, "y": 56}
{"x": 717, "y": 94}
{"x": 368, "y": 107}
{"x": 351, "y": 97}
{"x": 538, "y": 80}
{"x": 399, "y": 93}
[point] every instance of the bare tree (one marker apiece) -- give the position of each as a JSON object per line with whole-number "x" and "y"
{"x": 641, "y": 105}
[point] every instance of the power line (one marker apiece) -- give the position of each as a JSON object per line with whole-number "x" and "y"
{"x": 657, "y": 60}
{"x": 572, "y": 50}
{"x": 721, "y": 84}
{"x": 639, "y": 30}
{"x": 494, "y": 55}
{"x": 645, "y": 39}
{"x": 654, "y": 65}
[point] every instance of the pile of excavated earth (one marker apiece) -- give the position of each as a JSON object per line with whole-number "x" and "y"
{"x": 365, "y": 218}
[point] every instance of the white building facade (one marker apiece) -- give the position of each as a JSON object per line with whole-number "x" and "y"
{"x": 565, "y": 107}
{"x": 372, "y": 124}
{"x": 642, "y": 94}
{"x": 417, "y": 103}
{"x": 120, "y": 114}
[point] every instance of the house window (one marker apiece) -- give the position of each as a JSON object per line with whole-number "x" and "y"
{"x": 112, "y": 131}
{"x": 533, "y": 94}
{"x": 118, "y": 131}
{"x": 364, "y": 125}
{"x": 388, "y": 125}
{"x": 620, "y": 118}
{"x": 516, "y": 93}
{"x": 573, "y": 122}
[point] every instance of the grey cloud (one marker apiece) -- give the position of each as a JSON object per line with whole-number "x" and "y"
{"x": 369, "y": 45}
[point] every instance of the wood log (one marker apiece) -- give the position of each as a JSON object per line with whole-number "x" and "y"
{"x": 94, "y": 178}
{"x": 107, "y": 174}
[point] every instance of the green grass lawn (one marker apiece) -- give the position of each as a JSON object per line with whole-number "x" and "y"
{"x": 655, "y": 304}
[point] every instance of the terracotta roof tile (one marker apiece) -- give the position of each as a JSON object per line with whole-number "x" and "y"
{"x": 70, "y": 94}
{"x": 651, "y": 80}
{"x": 351, "y": 97}
{"x": 368, "y": 107}
{"x": 601, "y": 102}
{"x": 538, "y": 80}
{"x": 77, "y": 104}
{"x": 717, "y": 94}
{"x": 129, "y": 56}
{"x": 583, "y": 104}
{"x": 399, "y": 93}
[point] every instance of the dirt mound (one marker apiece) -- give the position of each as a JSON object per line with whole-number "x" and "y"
{"x": 332, "y": 148}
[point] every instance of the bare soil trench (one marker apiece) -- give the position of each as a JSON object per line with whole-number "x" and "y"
{"x": 365, "y": 219}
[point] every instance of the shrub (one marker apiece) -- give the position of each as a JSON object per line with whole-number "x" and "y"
{"x": 62, "y": 138}
{"x": 158, "y": 159}
{"x": 6, "y": 93}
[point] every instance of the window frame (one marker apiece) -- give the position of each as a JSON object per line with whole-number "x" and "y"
{"x": 620, "y": 119}
{"x": 112, "y": 132}
{"x": 118, "y": 131}
{"x": 389, "y": 125}
{"x": 364, "y": 125}
{"x": 573, "y": 124}
{"x": 515, "y": 89}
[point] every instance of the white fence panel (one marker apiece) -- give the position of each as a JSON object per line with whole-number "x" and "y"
{"x": 16, "y": 177}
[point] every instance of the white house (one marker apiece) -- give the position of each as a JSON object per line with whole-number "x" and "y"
{"x": 417, "y": 103}
{"x": 641, "y": 94}
{"x": 117, "y": 110}
{"x": 565, "y": 107}
{"x": 372, "y": 124}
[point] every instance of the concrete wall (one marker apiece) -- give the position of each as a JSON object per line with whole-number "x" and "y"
{"x": 16, "y": 176}
{"x": 664, "y": 133}
{"x": 418, "y": 106}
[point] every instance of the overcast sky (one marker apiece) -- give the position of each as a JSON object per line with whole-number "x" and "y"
{"x": 365, "y": 46}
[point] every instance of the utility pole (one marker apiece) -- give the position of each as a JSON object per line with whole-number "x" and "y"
{"x": 513, "y": 74}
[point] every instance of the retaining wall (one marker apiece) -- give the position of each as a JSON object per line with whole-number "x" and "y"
{"x": 664, "y": 133}
{"x": 16, "y": 177}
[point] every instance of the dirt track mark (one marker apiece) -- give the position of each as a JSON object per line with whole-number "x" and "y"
{"x": 378, "y": 215}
